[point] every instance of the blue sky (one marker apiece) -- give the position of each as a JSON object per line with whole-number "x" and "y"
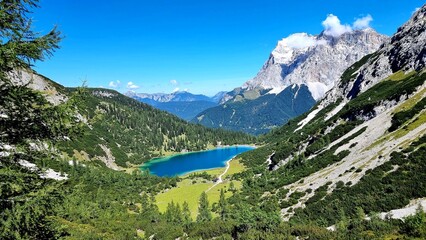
{"x": 202, "y": 46}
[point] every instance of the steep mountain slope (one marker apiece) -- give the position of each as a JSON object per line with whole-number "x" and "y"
{"x": 316, "y": 62}
{"x": 182, "y": 104}
{"x": 218, "y": 96}
{"x": 123, "y": 132}
{"x": 362, "y": 148}
{"x": 127, "y": 132}
{"x": 259, "y": 115}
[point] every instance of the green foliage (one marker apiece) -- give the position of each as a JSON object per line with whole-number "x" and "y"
{"x": 204, "y": 175}
{"x": 216, "y": 229}
{"x": 363, "y": 105}
{"x": 136, "y": 132}
{"x": 186, "y": 213}
{"x": 415, "y": 226}
{"x": 99, "y": 203}
{"x": 223, "y": 206}
{"x": 258, "y": 115}
{"x": 400, "y": 118}
{"x": 28, "y": 115}
{"x": 349, "y": 74}
{"x": 204, "y": 214}
{"x": 378, "y": 191}
{"x": 28, "y": 203}
{"x": 19, "y": 45}
{"x": 173, "y": 213}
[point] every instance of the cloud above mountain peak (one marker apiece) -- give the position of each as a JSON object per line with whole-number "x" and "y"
{"x": 333, "y": 27}
{"x": 363, "y": 23}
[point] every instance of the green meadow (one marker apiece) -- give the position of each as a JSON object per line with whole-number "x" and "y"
{"x": 189, "y": 190}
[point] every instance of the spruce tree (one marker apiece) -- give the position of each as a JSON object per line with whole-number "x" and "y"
{"x": 173, "y": 213}
{"x": 19, "y": 45}
{"x": 204, "y": 214}
{"x": 27, "y": 201}
{"x": 231, "y": 186}
{"x": 186, "y": 213}
{"x": 223, "y": 206}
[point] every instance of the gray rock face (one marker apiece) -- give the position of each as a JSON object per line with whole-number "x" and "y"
{"x": 39, "y": 83}
{"x": 316, "y": 61}
{"x": 405, "y": 51}
{"x": 407, "y": 46}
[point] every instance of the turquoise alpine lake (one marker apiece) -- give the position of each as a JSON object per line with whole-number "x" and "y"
{"x": 181, "y": 164}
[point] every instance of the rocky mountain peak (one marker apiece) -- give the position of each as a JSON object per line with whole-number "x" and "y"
{"x": 315, "y": 61}
{"x": 405, "y": 51}
{"x": 408, "y": 44}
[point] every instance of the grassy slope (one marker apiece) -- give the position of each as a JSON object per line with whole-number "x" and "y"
{"x": 285, "y": 142}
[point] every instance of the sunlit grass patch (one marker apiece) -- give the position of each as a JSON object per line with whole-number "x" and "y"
{"x": 400, "y": 75}
{"x": 189, "y": 190}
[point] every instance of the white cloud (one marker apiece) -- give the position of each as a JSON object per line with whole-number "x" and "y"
{"x": 174, "y": 82}
{"x": 299, "y": 40}
{"x": 333, "y": 27}
{"x": 175, "y": 90}
{"x": 114, "y": 84}
{"x": 363, "y": 23}
{"x": 131, "y": 85}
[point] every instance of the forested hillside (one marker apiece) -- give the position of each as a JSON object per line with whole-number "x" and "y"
{"x": 259, "y": 115}
{"x": 333, "y": 173}
{"x": 135, "y": 132}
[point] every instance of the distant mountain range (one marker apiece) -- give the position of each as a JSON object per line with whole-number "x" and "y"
{"x": 182, "y": 104}
{"x": 261, "y": 114}
{"x": 312, "y": 63}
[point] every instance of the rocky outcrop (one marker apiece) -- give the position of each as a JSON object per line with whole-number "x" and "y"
{"x": 406, "y": 52}
{"x": 315, "y": 61}
{"x": 40, "y": 83}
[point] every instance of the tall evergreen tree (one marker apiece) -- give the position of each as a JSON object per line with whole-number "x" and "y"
{"x": 173, "y": 213}
{"x": 231, "y": 187}
{"x": 186, "y": 213}
{"x": 204, "y": 214}
{"x": 223, "y": 206}
{"x": 19, "y": 45}
{"x": 27, "y": 201}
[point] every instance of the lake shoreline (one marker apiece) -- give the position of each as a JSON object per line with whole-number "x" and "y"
{"x": 148, "y": 164}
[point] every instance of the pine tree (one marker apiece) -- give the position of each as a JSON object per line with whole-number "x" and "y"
{"x": 19, "y": 45}
{"x": 231, "y": 186}
{"x": 223, "y": 206}
{"x": 186, "y": 213}
{"x": 204, "y": 214}
{"x": 27, "y": 201}
{"x": 173, "y": 213}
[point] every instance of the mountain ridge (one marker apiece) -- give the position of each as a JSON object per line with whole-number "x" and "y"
{"x": 364, "y": 136}
{"x": 288, "y": 62}
{"x": 298, "y": 60}
{"x": 178, "y": 96}
{"x": 181, "y": 103}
